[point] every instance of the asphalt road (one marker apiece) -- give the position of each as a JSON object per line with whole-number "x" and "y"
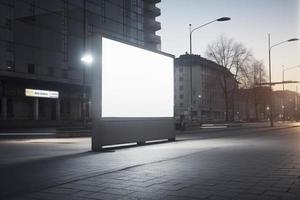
{"x": 245, "y": 162}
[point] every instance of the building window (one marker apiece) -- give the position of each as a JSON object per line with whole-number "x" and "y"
{"x": 181, "y": 96}
{"x": 65, "y": 107}
{"x": 181, "y": 78}
{"x": 10, "y": 110}
{"x": 32, "y": 8}
{"x": 103, "y": 11}
{"x": 31, "y": 68}
{"x": 65, "y": 73}
{"x": 50, "y": 71}
{"x": 181, "y": 88}
{"x": 10, "y": 65}
{"x": 194, "y": 113}
{"x": 181, "y": 104}
{"x": 10, "y": 47}
{"x": 7, "y": 23}
{"x": 180, "y": 69}
{"x": 42, "y": 107}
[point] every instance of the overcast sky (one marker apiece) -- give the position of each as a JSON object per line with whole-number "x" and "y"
{"x": 251, "y": 21}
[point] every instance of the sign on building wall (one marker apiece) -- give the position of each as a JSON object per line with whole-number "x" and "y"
{"x": 41, "y": 93}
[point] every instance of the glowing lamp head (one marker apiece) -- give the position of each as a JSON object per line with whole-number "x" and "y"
{"x": 293, "y": 40}
{"x": 222, "y": 19}
{"x": 87, "y": 59}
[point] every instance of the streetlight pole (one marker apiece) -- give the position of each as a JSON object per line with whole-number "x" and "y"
{"x": 83, "y": 70}
{"x": 190, "y": 25}
{"x": 283, "y": 102}
{"x": 270, "y": 83}
{"x": 270, "y": 73}
{"x": 194, "y": 29}
{"x": 297, "y": 104}
{"x": 191, "y": 52}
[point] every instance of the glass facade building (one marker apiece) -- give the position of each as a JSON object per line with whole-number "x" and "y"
{"x": 41, "y": 43}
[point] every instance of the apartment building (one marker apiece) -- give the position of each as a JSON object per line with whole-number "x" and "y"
{"x": 198, "y": 91}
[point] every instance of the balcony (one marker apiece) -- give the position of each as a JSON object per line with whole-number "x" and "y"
{"x": 152, "y": 1}
{"x": 152, "y": 38}
{"x": 152, "y": 25}
{"x": 152, "y": 10}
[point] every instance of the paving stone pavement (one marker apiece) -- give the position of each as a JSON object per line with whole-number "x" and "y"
{"x": 265, "y": 166}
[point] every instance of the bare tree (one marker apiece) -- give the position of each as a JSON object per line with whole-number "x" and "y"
{"x": 251, "y": 76}
{"x": 232, "y": 56}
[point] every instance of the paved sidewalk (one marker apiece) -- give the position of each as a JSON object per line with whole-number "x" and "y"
{"x": 262, "y": 164}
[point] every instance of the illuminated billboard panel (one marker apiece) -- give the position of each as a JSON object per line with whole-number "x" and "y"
{"x": 135, "y": 82}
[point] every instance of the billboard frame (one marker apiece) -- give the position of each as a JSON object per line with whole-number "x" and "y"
{"x": 120, "y": 130}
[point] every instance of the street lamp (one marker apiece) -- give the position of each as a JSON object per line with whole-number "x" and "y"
{"x": 87, "y": 59}
{"x": 191, "y": 73}
{"x": 222, "y": 19}
{"x": 284, "y": 69}
{"x": 270, "y": 72}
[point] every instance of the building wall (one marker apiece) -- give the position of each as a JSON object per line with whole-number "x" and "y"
{"x": 207, "y": 97}
{"x": 285, "y": 105}
{"x": 253, "y": 104}
{"x": 41, "y": 43}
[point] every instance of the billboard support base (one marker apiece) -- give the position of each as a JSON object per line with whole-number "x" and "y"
{"x": 140, "y": 143}
{"x": 97, "y": 148}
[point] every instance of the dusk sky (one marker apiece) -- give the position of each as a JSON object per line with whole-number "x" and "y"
{"x": 251, "y": 21}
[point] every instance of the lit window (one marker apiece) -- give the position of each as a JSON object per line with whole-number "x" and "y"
{"x": 10, "y": 65}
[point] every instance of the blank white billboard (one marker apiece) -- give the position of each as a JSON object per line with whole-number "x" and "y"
{"x": 136, "y": 82}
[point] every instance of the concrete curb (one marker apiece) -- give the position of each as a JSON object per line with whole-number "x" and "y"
{"x": 45, "y": 133}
